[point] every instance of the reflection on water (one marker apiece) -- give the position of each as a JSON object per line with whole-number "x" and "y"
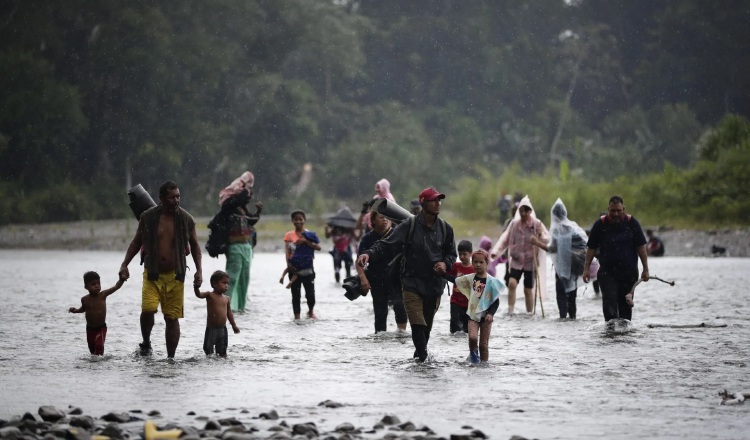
{"x": 546, "y": 378}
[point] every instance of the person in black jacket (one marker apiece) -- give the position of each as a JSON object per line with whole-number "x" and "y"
{"x": 620, "y": 242}
{"x": 429, "y": 249}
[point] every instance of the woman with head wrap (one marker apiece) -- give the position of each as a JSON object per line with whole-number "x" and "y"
{"x": 383, "y": 190}
{"x": 234, "y": 200}
{"x": 568, "y": 249}
{"x": 524, "y": 258}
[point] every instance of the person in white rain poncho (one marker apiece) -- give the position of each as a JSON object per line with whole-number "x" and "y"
{"x": 568, "y": 249}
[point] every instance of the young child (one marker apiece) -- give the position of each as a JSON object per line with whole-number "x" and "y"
{"x": 95, "y": 306}
{"x": 459, "y": 302}
{"x": 300, "y": 246}
{"x": 342, "y": 250}
{"x": 218, "y": 312}
{"x": 483, "y": 292}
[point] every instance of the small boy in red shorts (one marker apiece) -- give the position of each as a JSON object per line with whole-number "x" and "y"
{"x": 95, "y": 306}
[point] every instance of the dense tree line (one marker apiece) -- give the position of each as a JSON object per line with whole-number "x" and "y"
{"x": 97, "y": 96}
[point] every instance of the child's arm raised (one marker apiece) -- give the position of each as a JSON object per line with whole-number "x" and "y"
{"x": 230, "y": 317}
{"x": 200, "y": 294}
{"x": 80, "y": 309}
{"x": 114, "y": 288}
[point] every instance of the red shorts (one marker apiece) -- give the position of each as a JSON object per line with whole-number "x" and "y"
{"x": 95, "y": 337}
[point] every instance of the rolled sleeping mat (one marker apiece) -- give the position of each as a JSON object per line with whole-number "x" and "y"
{"x": 140, "y": 200}
{"x": 391, "y": 210}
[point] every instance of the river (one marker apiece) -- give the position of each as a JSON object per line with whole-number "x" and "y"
{"x": 545, "y": 379}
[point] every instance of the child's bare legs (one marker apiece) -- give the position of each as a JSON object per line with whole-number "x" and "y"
{"x": 291, "y": 280}
{"x": 485, "y": 328}
{"x": 473, "y": 335}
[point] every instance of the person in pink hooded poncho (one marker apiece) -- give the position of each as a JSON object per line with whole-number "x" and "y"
{"x": 525, "y": 258}
{"x": 382, "y": 191}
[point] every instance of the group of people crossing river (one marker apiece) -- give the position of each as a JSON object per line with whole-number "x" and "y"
{"x": 404, "y": 263}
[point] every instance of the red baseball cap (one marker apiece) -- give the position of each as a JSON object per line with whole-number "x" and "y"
{"x": 430, "y": 194}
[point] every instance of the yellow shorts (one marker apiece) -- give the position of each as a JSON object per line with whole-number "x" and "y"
{"x": 167, "y": 291}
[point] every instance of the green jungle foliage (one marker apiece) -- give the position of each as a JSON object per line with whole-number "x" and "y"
{"x": 570, "y": 99}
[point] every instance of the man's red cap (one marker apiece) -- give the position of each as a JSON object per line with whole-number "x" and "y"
{"x": 429, "y": 194}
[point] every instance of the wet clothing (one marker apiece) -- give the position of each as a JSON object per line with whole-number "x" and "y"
{"x": 342, "y": 252}
{"x": 216, "y": 338}
{"x": 459, "y": 302}
{"x": 308, "y": 281}
{"x": 239, "y": 262}
{"x": 183, "y": 225}
{"x": 566, "y": 300}
{"x": 239, "y": 253}
{"x": 165, "y": 290}
{"x": 383, "y": 288}
{"x": 95, "y": 337}
{"x": 422, "y": 247}
{"x": 655, "y": 247}
{"x": 618, "y": 245}
{"x": 428, "y": 246}
{"x": 302, "y": 256}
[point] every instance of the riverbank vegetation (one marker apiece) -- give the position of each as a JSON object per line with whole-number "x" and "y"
{"x": 320, "y": 99}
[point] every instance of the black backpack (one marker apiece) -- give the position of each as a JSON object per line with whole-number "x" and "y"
{"x": 218, "y": 235}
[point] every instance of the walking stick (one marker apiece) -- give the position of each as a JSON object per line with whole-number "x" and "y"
{"x": 632, "y": 290}
{"x": 538, "y": 287}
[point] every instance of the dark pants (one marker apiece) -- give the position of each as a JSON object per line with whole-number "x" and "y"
{"x": 339, "y": 257}
{"x": 614, "y": 290}
{"x": 383, "y": 293}
{"x": 309, "y": 282}
{"x": 566, "y": 301}
{"x": 459, "y": 319}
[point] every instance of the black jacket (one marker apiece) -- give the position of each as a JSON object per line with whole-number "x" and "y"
{"x": 426, "y": 247}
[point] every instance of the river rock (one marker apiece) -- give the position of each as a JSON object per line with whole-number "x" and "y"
{"x": 10, "y": 433}
{"x": 269, "y": 415}
{"x": 28, "y": 416}
{"x": 75, "y": 411}
{"x": 85, "y": 422}
{"x": 230, "y": 421}
{"x": 228, "y": 435}
{"x": 345, "y": 427}
{"x": 478, "y": 434}
{"x": 281, "y": 436}
{"x": 116, "y": 417}
{"x": 407, "y": 426}
{"x": 390, "y": 419}
{"x": 212, "y": 425}
{"x": 305, "y": 429}
{"x": 330, "y": 404}
{"x": 78, "y": 434}
{"x": 114, "y": 431}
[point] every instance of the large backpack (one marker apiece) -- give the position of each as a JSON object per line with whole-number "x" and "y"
{"x": 218, "y": 235}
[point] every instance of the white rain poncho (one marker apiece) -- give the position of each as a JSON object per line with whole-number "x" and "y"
{"x": 567, "y": 246}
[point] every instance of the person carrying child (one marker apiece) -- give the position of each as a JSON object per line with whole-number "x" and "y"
{"x": 301, "y": 262}
{"x": 95, "y": 306}
{"x": 482, "y": 291}
{"x": 218, "y": 311}
{"x": 459, "y": 302}
{"x": 300, "y": 246}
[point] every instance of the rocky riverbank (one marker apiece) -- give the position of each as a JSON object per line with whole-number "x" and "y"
{"x": 115, "y": 235}
{"x": 73, "y": 424}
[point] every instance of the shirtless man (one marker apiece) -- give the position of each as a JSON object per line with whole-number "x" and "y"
{"x": 218, "y": 311}
{"x": 164, "y": 232}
